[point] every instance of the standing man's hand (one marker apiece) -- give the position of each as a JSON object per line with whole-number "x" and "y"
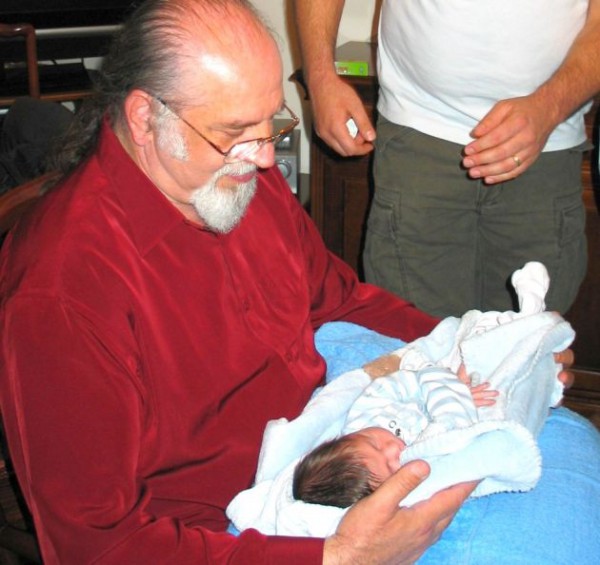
{"x": 509, "y": 139}
{"x": 511, "y": 136}
{"x": 377, "y": 531}
{"x": 335, "y": 102}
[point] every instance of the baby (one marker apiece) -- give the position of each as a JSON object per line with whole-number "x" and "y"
{"x": 341, "y": 471}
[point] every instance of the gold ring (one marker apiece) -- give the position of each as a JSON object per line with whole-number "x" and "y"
{"x": 517, "y": 160}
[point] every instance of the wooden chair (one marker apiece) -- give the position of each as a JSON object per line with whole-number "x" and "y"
{"x": 18, "y": 545}
{"x": 27, "y": 31}
{"x": 33, "y": 79}
{"x": 16, "y": 201}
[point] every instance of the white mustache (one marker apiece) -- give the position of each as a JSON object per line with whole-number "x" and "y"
{"x": 237, "y": 169}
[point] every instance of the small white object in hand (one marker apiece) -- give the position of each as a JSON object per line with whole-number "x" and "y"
{"x": 352, "y": 129}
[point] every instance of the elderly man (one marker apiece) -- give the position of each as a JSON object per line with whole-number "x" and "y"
{"x": 160, "y": 305}
{"x": 160, "y": 309}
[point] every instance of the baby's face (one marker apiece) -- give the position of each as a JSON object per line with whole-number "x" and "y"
{"x": 380, "y": 450}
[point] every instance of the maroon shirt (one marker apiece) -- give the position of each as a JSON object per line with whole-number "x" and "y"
{"x": 142, "y": 356}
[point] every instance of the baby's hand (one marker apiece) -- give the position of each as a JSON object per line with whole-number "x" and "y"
{"x": 483, "y": 395}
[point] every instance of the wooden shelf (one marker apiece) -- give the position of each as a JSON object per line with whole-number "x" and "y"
{"x": 73, "y": 96}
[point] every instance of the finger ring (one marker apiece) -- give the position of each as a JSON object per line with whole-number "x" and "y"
{"x": 517, "y": 160}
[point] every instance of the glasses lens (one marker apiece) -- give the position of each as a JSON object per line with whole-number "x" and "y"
{"x": 244, "y": 150}
{"x": 283, "y": 123}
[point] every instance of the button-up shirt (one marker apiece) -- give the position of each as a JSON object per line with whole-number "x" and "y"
{"x": 143, "y": 354}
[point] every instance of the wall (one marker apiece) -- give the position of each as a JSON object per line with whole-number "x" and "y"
{"x": 358, "y": 23}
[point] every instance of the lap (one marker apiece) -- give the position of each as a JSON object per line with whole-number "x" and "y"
{"x": 557, "y": 523}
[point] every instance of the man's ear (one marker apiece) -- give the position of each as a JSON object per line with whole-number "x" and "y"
{"x": 138, "y": 114}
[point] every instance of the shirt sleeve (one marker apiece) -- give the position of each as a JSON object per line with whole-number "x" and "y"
{"x": 78, "y": 474}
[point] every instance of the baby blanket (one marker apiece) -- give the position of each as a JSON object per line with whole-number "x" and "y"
{"x": 514, "y": 356}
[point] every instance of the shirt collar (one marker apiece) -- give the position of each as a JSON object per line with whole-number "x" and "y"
{"x": 150, "y": 214}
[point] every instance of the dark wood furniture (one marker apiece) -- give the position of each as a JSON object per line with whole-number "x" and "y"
{"x": 26, "y": 31}
{"x": 30, "y": 57}
{"x": 18, "y": 543}
{"x": 340, "y": 193}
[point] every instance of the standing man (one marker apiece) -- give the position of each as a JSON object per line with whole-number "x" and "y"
{"x": 478, "y": 145}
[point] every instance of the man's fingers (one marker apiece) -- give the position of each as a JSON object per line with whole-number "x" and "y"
{"x": 565, "y": 358}
{"x": 446, "y": 503}
{"x": 383, "y": 365}
{"x": 392, "y": 491}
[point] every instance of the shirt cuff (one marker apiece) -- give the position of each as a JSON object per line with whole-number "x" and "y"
{"x": 294, "y": 551}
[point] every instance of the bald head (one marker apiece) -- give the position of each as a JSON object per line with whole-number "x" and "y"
{"x": 165, "y": 48}
{"x": 223, "y": 45}
{"x": 165, "y": 41}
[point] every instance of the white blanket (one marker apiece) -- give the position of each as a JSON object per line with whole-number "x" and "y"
{"x": 500, "y": 449}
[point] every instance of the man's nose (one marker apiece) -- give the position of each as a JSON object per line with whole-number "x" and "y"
{"x": 264, "y": 156}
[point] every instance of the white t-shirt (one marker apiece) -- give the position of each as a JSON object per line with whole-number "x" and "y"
{"x": 444, "y": 63}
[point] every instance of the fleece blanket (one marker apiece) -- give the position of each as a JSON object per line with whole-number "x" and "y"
{"x": 515, "y": 356}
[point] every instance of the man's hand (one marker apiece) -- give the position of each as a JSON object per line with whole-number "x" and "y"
{"x": 377, "y": 531}
{"x": 566, "y": 359}
{"x": 382, "y": 366}
{"x": 334, "y": 102}
{"x": 508, "y": 139}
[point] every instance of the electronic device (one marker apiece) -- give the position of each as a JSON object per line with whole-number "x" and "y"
{"x": 287, "y": 158}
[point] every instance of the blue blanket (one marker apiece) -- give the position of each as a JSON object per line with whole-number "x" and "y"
{"x": 557, "y": 523}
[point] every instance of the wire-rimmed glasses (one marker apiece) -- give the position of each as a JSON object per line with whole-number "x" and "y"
{"x": 243, "y": 149}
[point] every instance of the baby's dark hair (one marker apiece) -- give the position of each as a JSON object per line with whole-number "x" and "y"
{"x": 333, "y": 474}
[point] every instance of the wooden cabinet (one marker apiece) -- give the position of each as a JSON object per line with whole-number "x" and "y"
{"x": 584, "y": 315}
{"x": 340, "y": 193}
{"x": 341, "y": 188}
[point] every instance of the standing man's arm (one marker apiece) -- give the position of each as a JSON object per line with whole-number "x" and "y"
{"x": 333, "y": 100}
{"x": 521, "y": 126}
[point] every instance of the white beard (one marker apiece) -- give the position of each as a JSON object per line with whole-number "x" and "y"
{"x": 221, "y": 209}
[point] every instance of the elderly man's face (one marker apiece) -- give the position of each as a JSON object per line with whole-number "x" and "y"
{"x": 236, "y": 101}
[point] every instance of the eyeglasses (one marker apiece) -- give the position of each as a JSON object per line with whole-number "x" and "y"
{"x": 243, "y": 149}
